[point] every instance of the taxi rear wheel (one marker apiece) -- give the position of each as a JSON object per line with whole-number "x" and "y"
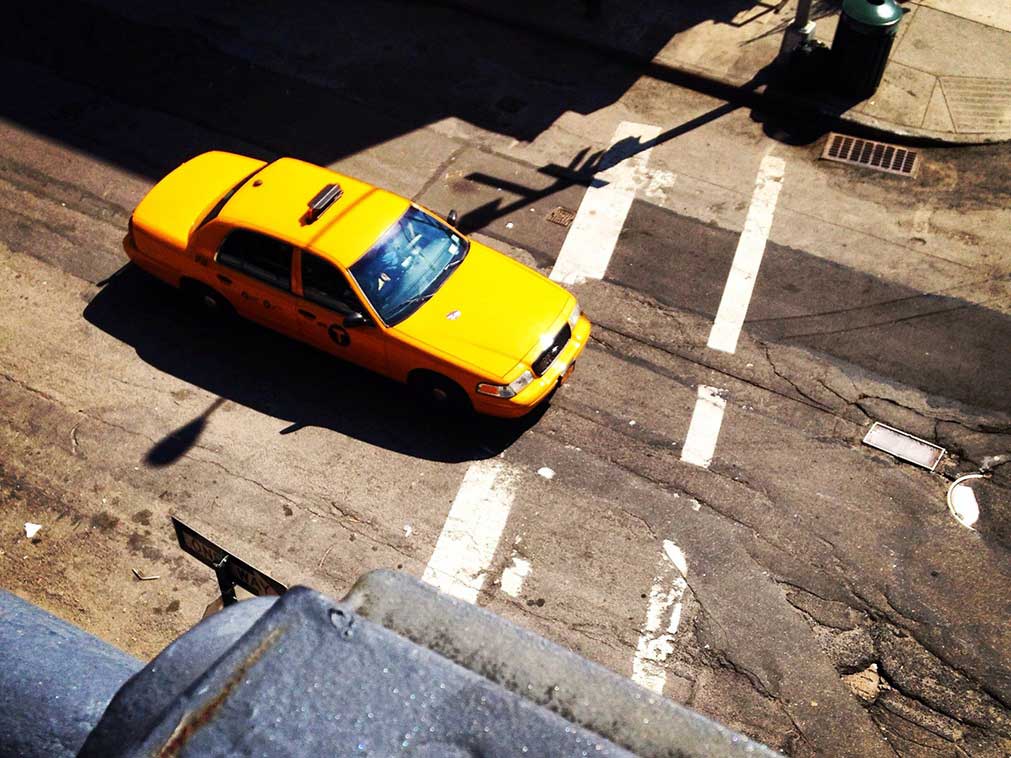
{"x": 439, "y": 394}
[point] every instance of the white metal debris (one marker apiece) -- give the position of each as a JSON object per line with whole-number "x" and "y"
{"x": 962, "y": 501}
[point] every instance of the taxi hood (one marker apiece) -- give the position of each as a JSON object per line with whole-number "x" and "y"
{"x": 505, "y": 312}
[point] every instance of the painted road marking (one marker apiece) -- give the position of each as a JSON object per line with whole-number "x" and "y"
{"x": 513, "y": 576}
{"x": 750, "y": 249}
{"x": 704, "y": 428}
{"x": 665, "y": 599}
{"x": 594, "y": 233}
{"x": 472, "y": 530}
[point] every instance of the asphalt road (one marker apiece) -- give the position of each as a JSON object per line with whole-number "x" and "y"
{"x": 811, "y": 592}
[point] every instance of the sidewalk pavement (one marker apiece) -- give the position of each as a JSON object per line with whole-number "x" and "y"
{"x": 948, "y": 77}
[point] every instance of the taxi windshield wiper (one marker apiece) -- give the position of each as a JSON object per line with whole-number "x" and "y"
{"x": 416, "y": 301}
{"x": 452, "y": 263}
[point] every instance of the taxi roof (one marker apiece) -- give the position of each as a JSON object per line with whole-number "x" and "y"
{"x": 275, "y": 200}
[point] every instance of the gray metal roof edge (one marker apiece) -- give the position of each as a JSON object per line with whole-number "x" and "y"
{"x": 543, "y": 672}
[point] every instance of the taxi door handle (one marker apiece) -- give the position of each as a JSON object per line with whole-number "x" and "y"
{"x": 224, "y": 279}
{"x": 307, "y": 314}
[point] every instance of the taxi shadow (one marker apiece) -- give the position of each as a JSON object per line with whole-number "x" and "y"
{"x": 282, "y": 378}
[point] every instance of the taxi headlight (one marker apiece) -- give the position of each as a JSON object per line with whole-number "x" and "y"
{"x": 506, "y": 390}
{"x": 574, "y": 316}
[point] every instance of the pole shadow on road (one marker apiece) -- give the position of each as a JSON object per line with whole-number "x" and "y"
{"x": 280, "y": 377}
{"x": 583, "y": 170}
{"x": 778, "y": 118}
{"x": 174, "y": 445}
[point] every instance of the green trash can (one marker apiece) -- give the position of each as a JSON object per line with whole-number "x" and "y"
{"x": 862, "y": 43}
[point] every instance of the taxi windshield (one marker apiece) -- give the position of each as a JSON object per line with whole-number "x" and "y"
{"x": 408, "y": 264}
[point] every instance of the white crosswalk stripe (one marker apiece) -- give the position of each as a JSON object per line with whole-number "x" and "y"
{"x": 590, "y": 243}
{"x": 471, "y": 534}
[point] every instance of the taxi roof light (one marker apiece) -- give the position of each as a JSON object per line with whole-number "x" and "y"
{"x": 323, "y": 200}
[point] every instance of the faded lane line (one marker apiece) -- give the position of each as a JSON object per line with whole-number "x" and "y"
{"x": 590, "y": 241}
{"x": 472, "y": 530}
{"x": 665, "y": 597}
{"x": 704, "y": 428}
{"x": 750, "y": 249}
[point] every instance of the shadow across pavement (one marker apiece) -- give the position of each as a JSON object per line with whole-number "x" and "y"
{"x": 145, "y": 86}
{"x": 937, "y": 342}
{"x": 279, "y": 377}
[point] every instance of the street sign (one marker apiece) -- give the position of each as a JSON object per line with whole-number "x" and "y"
{"x": 230, "y": 570}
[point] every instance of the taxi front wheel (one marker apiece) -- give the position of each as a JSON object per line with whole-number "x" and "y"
{"x": 439, "y": 394}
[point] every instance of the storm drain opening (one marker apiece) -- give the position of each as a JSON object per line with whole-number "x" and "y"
{"x": 880, "y": 156}
{"x": 561, "y": 216}
{"x": 904, "y": 446}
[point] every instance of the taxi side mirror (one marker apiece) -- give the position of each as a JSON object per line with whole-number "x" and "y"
{"x": 354, "y": 319}
{"x": 453, "y": 217}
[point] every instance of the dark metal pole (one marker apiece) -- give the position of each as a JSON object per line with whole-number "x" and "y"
{"x": 225, "y": 583}
{"x": 799, "y": 32}
{"x": 803, "y": 13}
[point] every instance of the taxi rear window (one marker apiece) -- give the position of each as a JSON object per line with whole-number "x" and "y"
{"x": 228, "y": 196}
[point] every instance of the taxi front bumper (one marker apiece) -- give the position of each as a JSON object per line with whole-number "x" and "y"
{"x": 538, "y": 390}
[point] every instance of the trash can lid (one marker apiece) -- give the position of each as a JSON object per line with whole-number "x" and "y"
{"x": 872, "y": 12}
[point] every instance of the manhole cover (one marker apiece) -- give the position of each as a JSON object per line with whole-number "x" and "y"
{"x": 870, "y": 154}
{"x": 561, "y": 216}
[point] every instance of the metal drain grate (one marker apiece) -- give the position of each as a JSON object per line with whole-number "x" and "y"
{"x": 561, "y": 216}
{"x": 904, "y": 445}
{"x": 877, "y": 155}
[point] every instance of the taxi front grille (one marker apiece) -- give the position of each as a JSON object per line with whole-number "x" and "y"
{"x": 546, "y": 358}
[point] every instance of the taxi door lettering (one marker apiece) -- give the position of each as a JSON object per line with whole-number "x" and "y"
{"x": 328, "y": 299}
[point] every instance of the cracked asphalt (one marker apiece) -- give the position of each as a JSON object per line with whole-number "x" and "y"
{"x": 833, "y": 606}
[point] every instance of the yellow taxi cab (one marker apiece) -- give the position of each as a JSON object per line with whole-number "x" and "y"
{"x": 363, "y": 274}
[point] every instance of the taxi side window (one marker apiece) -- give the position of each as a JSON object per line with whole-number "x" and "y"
{"x": 325, "y": 285}
{"x": 258, "y": 256}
